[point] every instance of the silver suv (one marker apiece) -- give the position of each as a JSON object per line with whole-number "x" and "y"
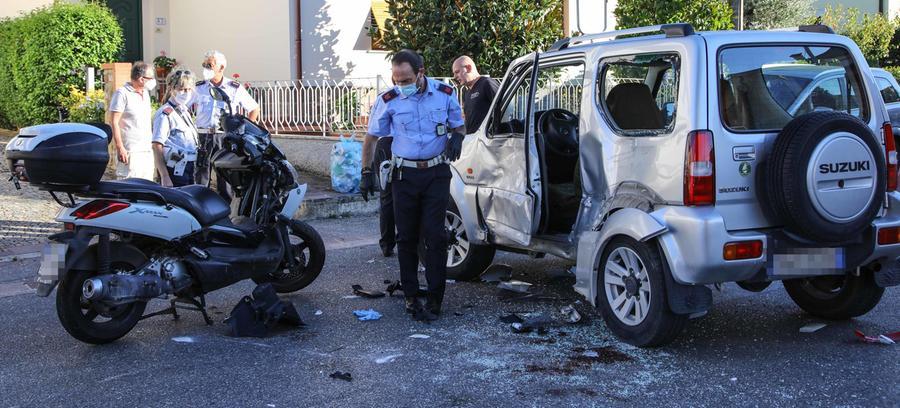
{"x": 663, "y": 161}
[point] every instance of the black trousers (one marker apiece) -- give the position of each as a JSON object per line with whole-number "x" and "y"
{"x": 209, "y": 146}
{"x": 185, "y": 179}
{"x": 420, "y": 206}
{"x": 386, "y": 199}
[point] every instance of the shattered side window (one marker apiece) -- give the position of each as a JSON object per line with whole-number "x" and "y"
{"x": 639, "y": 93}
{"x": 762, "y": 88}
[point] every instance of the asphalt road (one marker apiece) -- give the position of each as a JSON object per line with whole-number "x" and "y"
{"x": 747, "y": 351}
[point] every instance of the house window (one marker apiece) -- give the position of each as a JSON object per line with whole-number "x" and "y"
{"x": 377, "y": 23}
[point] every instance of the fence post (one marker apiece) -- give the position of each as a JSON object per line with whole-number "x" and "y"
{"x": 88, "y": 79}
{"x": 324, "y": 97}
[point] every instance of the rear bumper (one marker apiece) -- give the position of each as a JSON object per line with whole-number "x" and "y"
{"x": 695, "y": 237}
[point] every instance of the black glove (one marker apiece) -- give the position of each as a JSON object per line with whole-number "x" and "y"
{"x": 367, "y": 183}
{"x": 454, "y": 146}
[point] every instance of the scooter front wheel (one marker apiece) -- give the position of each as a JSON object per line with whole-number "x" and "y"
{"x": 309, "y": 258}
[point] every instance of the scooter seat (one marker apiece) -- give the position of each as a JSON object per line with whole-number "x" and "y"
{"x": 203, "y": 203}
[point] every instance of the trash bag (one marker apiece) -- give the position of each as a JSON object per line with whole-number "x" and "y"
{"x": 346, "y": 165}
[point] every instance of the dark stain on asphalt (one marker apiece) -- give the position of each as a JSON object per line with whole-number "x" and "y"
{"x": 584, "y": 358}
{"x": 558, "y": 392}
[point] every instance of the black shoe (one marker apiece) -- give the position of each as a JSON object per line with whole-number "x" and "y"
{"x": 387, "y": 252}
{"x": 433, "y": 304}
{"x": 413, "y": 305}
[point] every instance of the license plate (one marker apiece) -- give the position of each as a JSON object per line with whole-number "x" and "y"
{"x": 807, "y": 262}
{"x": 52, "y": 263}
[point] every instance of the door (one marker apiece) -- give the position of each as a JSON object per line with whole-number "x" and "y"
{"x": 128, "y": 12}
{"x": 509, "y": 176}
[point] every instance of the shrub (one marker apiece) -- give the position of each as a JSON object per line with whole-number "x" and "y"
{"x": 704, "y": 15}
{"x": 872, "y": 33}
{"x": 895, "y": 71}
{"x": 769, "y": 14}
{"x": 492, "y": 32}
{"x": 893, "y": 57}
{"x": 84, "y": 108}
{"x": 42, "y": 55}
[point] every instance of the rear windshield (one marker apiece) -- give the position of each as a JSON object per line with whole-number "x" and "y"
{"x": 761, "y": 88}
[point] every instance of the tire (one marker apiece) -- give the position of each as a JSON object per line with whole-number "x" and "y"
{"x": 636, "y": 321}
{"x": 96, "y": 324}
{"x": 465, "y": 261}
{"x": 835, "y": 297}
{"x": 802, "y": 154}
{"x": 311, "y": 249}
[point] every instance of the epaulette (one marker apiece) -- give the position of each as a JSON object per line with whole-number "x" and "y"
{"x": 200, "y": 83}
{"x": 447, "y": 89}
{"x": 234, "y": 84}
{"x": 167, "y": 110}
{"x": 389, "y": 95}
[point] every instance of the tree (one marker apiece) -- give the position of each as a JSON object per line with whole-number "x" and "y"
{"x": 704, "y": 15}
{"x": 492, "y": 32}
{"x": 872, "y": 33}
{"x": 769, "y": 14}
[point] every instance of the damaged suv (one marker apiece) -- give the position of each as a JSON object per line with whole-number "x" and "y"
{"x": 663, "y": 161}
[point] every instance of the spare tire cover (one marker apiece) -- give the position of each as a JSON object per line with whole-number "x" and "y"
{"x": 825, "y": 177}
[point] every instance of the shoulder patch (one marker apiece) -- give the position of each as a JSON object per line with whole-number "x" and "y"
{"x": 234, "y": 84}
{"x": 389, "y": 95}
{"x": 167, "y": 110}
{"x": 200, "y": 83}
{"x": 447, "y": 89}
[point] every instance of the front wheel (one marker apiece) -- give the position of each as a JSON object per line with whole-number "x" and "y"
{"x": 632, "y": 294}
{"x": 93, "y": 322}
{"x": 309, "y": 258}
{"x": 835, "y": 297}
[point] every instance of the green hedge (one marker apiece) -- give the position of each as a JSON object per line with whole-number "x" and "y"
{"x": 42, "y": 55}
{"x": 895, "y": 71}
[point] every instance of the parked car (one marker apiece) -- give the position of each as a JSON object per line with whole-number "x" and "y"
{"x": 664, "y": 164}
{"x": 890, "y": 93}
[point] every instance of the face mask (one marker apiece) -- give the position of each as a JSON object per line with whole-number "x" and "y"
{"x": 150, "y": 85}
{"x": 208, "y": 74}
{"x": 182, "y": 98}
{"x": 407, "y": 90}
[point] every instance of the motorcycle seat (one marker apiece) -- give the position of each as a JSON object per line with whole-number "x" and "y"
{"x": 203, "y": 203}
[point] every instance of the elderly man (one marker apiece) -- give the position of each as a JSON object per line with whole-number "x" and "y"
{"x": 479, "y": 93}
{"x": 208, "y": 112}
{"x": 130, "y": 122}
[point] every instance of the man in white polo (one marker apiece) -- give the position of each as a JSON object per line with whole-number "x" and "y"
{"x": 132, "y": 134}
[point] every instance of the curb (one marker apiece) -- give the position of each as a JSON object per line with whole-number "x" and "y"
{"x": 344, "y": 205}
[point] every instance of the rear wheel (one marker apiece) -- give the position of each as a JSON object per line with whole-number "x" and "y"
{"x": 93, "y": 322}
{"x": 835, "y": 297}
{"x": 309, "y": 258}
{"x": 632, "y": 294}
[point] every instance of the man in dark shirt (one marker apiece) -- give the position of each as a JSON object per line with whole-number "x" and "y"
{"x": 478, "y": 94}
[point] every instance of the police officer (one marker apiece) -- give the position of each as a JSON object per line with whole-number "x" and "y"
{"x": 209, "y": 111}
{"x": 174, "y": 133}
{"x": 425, "y": 119}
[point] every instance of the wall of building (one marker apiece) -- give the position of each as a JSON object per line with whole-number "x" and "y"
{"x": 865, "y": 6}
{"x": 13, "y": 8}
{"x": 335, "y": 41}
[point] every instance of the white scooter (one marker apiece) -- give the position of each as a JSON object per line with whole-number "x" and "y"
{"x": 127, "y": 242}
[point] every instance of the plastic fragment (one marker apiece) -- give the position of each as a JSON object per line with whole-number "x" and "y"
{"x": 889, "y": 338}
{"x": 571, "y": 315}
{"x": 515, "y": 286}
{"x": 387, "y": 359}
{"x": 318, "y": 313}
{"x": 337, "y": 375}
{"x": 371, "y": 294}
{"x": 812, "y": 327}
{"x": 497, "y": 273}
{"x": 183, "y": 339}
{"x": 419, "y": 336}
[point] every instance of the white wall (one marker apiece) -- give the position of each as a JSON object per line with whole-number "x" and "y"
{"x": 864, "y": 6}
{"x": 335, "y": 44}
{"x": 587, "y": 16}
{"x": 13, "y": 8}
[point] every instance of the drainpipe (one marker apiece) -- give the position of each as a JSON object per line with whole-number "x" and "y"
{"x": 299, "y": 41}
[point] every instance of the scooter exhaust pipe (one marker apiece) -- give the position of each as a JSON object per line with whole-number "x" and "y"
{"x": 115, "y": 289}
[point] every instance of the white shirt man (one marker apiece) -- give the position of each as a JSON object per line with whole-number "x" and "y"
{"x": 132, "y": 133}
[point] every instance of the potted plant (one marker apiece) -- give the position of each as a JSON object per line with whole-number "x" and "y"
{"x": 163, "y": 64}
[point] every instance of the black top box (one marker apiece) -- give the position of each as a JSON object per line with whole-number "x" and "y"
{"x": 60, "y": 156}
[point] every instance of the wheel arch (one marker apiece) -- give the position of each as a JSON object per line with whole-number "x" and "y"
{"x": 467, "y": 207}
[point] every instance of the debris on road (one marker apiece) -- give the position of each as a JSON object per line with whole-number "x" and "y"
{"x": 370, "y": 294}
{"x": 511, "y": 318}
{"x": 890, "y": 338}
{"x": 337, "y": 375}
{"x": 451, "y": 281}
{"x": 366, "y": 315}
{"x": 812, "y": 327}
{"x": 497, "y": 273}
{"x": 515, "y": 286}
{"x": 419, "y": 336}
{"x": 538, "y": 323}
{"x": 350, "y": 297}
{"x": 571, "y": 315}
{"x": 392, "y": 286}
{"x": 387, "y": 359}
{"x": 459, "y": 314}
{"x": 258, "y": 313}
{"x": 184, "y": 339}
{"x": 318, "y": 313}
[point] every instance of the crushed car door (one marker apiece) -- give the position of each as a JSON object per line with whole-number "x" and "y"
{"x": 509, "y": 177}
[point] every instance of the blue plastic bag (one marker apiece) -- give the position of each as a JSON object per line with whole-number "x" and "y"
{"x": 346, "y": 165}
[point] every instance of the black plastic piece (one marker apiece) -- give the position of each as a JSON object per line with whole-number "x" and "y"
{"x": 816, "y": 28}
{"x": 560, "y": 44}
{"x": 255, "y": 315}
{"x": 677, "y": 30}
{"x": 67, "y": 162}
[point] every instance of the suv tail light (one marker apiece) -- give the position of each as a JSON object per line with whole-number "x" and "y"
{"x": 699, "y": 169}
{"x": 890, "y": 156}
{"x": 99, "y": 208}
{"x": 734, "y": 251}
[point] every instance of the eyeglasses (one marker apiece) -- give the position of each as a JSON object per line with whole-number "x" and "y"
{"x": 147, "y": 78}
{"x": 182, "y": 72}
{"x": 207, "y": 65}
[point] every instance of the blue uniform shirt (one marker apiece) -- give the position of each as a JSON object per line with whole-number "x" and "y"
{"x": 413, "y": 120}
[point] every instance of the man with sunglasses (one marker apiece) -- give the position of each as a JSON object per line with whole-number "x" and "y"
{"x": 209, "y": 111}
{"x": 130, "y": 121}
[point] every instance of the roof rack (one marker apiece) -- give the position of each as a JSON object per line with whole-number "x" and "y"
{"x": 815, "y": 28}
{"x": 671, "y": 30}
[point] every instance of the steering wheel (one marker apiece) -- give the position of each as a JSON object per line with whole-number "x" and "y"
{"x": 560, "y": 129}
